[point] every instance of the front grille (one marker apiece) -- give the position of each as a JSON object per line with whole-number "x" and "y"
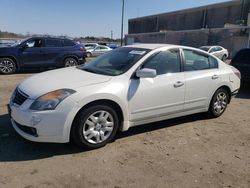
{"x": 29, "y": 130}
{"x": 19, "y": 97}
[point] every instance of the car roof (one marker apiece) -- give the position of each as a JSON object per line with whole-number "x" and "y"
{"x": 150, "y": 46}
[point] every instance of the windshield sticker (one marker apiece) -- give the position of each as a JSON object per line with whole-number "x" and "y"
{"x": 137, "y": 52}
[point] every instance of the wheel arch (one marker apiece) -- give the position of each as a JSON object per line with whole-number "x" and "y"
{"x": 70, "y": 56}
{"x": 108, "y": 102}
{"x": 228, "y": 90}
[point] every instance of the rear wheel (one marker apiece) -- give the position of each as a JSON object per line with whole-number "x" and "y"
{"x": 219, "y": 103}
{"x": 7, "y": 66}
{"x": 95, "y": 127}
{"x": 70, "y": 62}
{"x": 89, "y": 54}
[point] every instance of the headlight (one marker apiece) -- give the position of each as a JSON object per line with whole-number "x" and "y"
{"x": 50, "y": 100}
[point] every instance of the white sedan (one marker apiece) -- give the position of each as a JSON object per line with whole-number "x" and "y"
{"x": 129, "y": 86}
{"x": 217, "y": 51}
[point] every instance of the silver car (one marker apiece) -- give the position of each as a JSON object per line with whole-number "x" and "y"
{"x": 98, "y": 50}
{"x": 217, "y": 51}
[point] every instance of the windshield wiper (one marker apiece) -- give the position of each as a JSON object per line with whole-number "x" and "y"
{"x": 90, "y": 70}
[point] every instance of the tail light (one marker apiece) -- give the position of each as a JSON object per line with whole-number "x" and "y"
{"x": 83, "y": 49}
{"x": 236, "y": 72}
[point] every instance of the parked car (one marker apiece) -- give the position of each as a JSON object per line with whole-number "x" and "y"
{"x": 217, "y": 51}
{"x": 5, "y": 43}
{"x": 40, "y": 52}
{"x": 129, "y": 86}
{"x": 242, "y": 62}
{"x": 90, "y": 45}
{"x": 98, "y": 50}
{"x": 114, "y": 46}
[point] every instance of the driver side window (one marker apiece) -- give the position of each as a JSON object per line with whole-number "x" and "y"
{"x": 34, "y": 43}
{"x": 165, "y": 62}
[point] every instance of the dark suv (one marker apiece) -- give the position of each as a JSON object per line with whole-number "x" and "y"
{"x": 241, "y": 61}
{"x": 41, "y": 52}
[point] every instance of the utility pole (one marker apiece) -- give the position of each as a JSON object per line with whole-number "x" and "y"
{"x": 122, "y": 22}
{"x": 111, "y": 34}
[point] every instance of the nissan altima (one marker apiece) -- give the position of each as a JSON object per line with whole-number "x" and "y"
{"x": 126, "y": 87}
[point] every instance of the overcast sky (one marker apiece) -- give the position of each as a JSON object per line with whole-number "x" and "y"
{"x": 82, "y": 17}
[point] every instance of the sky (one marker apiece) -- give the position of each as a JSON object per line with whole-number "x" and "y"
{"x": 77, "y": 18}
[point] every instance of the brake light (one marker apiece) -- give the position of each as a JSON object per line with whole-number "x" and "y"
{"x": 236, "y": 72}
{"x": 82, "y": 49}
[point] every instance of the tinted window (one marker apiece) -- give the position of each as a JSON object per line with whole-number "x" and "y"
{"x": 53, "y": 43}
{"x": 33, "y": 43}
{"x": 213, "y": 49}
{"x": 195, "y": 61}
{"x": 165, "y": 62}
{"x": 69, "y": 43}
{"x": 103, "y": 48}
{"x": 218, "y": 48}
{"x": 242, "y": 56}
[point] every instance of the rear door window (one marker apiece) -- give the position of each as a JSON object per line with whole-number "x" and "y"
{"x": 68, "y": 43}
{"x": 53, "y": 43}
{"x": 195, "y": 61}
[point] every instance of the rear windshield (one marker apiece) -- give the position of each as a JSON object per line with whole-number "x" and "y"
{"x": 242, "y": 56}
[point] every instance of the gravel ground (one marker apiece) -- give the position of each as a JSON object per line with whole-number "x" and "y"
{"x": 191, "y": 151}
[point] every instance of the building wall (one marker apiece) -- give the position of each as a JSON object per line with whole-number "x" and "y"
{"x": 212, "y": 16}
{"x": 231, "y": 38}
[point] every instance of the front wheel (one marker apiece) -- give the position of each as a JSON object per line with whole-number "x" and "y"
{"x": 95, "y": 127}
{"x": 7, "y": 66}
{"x": 219, "y": 103}
{"x": 70, "y": 62}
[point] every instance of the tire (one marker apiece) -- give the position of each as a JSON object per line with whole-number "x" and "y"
{"x": 70, "y": 62}
{"x": 95, "y": 127}
{"x": 89, "y": 54}
{"x": 7, "y": 66}
{"x": 218, "y": 103}
{"x": 224, "y": 58}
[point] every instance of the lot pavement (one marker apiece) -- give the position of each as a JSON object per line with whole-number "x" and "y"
{"x": 191, "y": 151}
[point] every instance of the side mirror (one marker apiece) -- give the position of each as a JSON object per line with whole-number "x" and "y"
{"x": 146, "y": 73}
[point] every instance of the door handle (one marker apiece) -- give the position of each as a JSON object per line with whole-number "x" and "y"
{"x": 214, "y": 77}
{"x": 178, "y": 84}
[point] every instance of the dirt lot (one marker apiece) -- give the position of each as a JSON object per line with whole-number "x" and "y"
{"x": 185, "y": 152}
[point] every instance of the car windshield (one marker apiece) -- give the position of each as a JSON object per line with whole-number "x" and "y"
{"x": 115, "y": 62}
{"x": 204, "y": 48}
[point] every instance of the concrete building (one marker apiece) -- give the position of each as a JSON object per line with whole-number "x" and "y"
{"x": 223, "y": 24}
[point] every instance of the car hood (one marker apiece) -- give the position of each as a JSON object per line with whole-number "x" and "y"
{"x": 6, "y": 48}
{"x": 70, "y": 78}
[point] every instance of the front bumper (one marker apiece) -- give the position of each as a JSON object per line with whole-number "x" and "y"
{"x": 38, "y": 126}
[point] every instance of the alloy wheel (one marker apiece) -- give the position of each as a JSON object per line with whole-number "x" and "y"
{"x": 6, "y": 66}
{"x": 98, "y": 127}
{"x": 70, "y": 63}
{"x": 220, "y": 103}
